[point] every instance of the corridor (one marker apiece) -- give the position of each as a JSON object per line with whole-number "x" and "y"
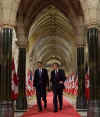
{"x": 66, "y": 32}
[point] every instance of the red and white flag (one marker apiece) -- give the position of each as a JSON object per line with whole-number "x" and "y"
{"x": 29, "y": 84}
{"x": 14, "y": 82}
{"x": 87, "y": 86}
{"x": 73, "y": 83}
{"x": 76, "y": 85}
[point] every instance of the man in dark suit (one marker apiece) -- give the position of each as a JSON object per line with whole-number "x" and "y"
{"x": 57, "y": 80}
{"x": 40, "y": 82}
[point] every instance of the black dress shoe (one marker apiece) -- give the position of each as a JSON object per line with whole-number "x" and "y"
{"x": 40, "y": 110}
{"x": 55, "y": 110}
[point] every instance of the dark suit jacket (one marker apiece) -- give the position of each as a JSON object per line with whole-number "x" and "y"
{"x": 56, "y": 79}
{"x": 42, "y": 81}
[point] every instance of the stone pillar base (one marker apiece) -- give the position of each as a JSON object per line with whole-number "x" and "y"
{"x": 94, "y": 108}
{"x": 81, "y": 102}
{"x": 21, "y": 104}
{"x": 6, "y": 109}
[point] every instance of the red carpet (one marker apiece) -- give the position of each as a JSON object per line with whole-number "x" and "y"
{"x": 68, "y": 110}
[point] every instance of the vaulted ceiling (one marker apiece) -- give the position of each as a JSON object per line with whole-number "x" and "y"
{"x": 51, "y": 29}
{"x": 29, "y": 9}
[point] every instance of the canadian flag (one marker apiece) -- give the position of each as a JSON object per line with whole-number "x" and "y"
{"x": 73, "y": 83}
{"x": 14, "y": 82}
{"x": 29, "y": 84}
{"x": 68, "y": 85}
{"x": 76, "y": 86}
{"x": 87, "y": 86}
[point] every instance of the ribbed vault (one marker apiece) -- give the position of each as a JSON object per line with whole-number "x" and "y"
{"x": 51, "y": 30}
{"x": 52, "y": 22}
{"x": 29, "y": 9}
{"x": 55, "y": 46}
{"x": 51, "y": 35}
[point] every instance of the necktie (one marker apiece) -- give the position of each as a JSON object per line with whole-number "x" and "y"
{"x": 56, "y": 72}
{"x": 40, "y": 71}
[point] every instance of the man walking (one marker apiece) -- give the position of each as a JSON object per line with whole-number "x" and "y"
{"x": 57, "y": 80}
{"x": 40, "y": 82}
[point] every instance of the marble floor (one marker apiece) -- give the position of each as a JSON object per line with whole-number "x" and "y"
{"x": 18, "y": 114}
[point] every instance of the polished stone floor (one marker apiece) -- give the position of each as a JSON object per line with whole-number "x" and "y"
{"x": 18, "y": 114}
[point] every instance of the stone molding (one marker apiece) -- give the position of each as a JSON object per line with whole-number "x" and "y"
{"x": 22, "y": 43}
{"x": 8, "y": 12}
{"x": 91, "y": 10}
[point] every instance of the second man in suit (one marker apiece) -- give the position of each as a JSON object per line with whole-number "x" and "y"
{"x": 57, "y": 80}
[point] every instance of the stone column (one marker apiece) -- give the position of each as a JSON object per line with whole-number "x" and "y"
{"x": 21, "y": 103}
{"x": 81, "y": 100}
{"x": 94, "y": 69}
{"x": 80, "y": 32}
{"x": 6, "y": 103}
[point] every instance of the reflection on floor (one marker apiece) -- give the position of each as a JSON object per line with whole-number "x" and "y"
{"x": 18, "y": 114}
